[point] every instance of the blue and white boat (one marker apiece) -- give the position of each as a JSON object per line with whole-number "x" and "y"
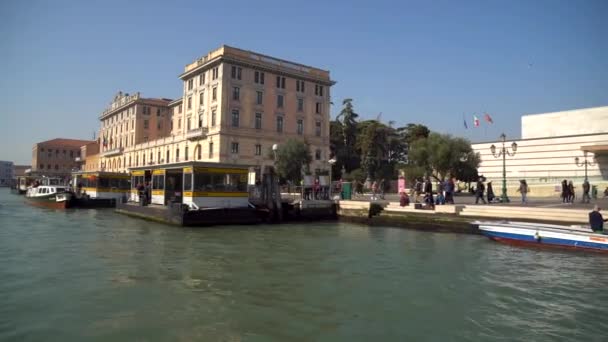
{"x": 540, "y": 234}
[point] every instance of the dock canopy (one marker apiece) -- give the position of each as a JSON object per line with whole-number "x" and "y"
{"x": 596, "y": 149}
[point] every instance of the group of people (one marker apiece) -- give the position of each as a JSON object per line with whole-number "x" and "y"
{"x": 481, "y": 193}
{"x": 423, "y": 188}
{"x": 145, "y": 193}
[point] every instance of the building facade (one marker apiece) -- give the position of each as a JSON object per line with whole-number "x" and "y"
{"x": 57, "y": 157}
{"x": 21, "y": 170}
{"x": 89, "y": 157}
{"x": 547, "y": 150}
{"x": 235, "y": 105}
{"x": 6, "y": 173}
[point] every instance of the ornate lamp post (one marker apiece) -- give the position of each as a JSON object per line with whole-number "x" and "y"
{"x": 584, "y": 163}
{"x": 331, "y": 162}
{"x": 504, "y": 151}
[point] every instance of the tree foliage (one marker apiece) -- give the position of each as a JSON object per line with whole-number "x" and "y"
{"x": 291, "y": 158}
{"x": 441, "y": 155}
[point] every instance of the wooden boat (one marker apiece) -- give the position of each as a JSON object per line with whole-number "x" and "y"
{"x": 50, "y": 196}
{"x": 538, "y": 234}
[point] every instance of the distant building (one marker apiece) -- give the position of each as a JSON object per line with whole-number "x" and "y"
{"x": 547, "y": 150}
{"x": 57, "y": 157}
{"x": 235, "y": 105}
{"x": 89, "y": 157}
{"x": 20, "y": 170}
{"x": 6, "y": 173}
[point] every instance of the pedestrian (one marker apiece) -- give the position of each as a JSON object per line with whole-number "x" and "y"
{"x": 586, "y": 188}
{"x": 404, "y": 200}
{"x": 449, "y": 191}
{"x": 523, "y": 190}
{"x": 374, "y": 190}
{"x": 316, "y": 188}
{"x": 382, "y": 188}
{"x": 571, "y": 194}
{"x": 490, "y": 193}
{"x": 148, "y": 193}
{"x": 339, "y": 188}
{"x": 417, "y": 190}
{"x": 479, "y": 190}
{"x": 428, "y": 192}
{"x": 565, "y": 195}
{"x": 596, "y": 220}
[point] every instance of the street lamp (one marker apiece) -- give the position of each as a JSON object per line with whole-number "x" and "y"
{"x": 584, "y": 163}
{"x": 504, "y": 151}
{"x": 275, "y": 148}
{"x": 331, "y": 162}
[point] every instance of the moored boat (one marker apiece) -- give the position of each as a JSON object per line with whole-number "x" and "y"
{"x": 50, "y": 196}
{"x": 524, "y": 233}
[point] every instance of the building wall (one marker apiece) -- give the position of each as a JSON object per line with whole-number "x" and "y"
{"x": 190, "y": 114}
{"x": 571, "y": 122}
{"x": 6, "y": 173}
{"x": 19, "y": 170}
{"x": 545, "y": 162}
{"x": 57, "y": 157}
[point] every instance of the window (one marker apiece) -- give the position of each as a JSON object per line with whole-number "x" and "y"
{"x": 189, "y": 102}
{"x": 318, "y": 108}
{"x": 213, "y": 94}
{"x": 260, "y": 97}
{"x": 300, "y": 86}
{"x": 42, "y": 149}
{"x": 146, "y": 124}
{"x": 201, "y": 98}
{"x": 258, "y": 150}
{"x": 234, "y": 147}
{"x": 280, "y": 82}
{"x": 186, "y": 153}
{"x": 236, "y": 72}
{"x": 300, "y": 127}
{"x": 168, "y": 154}
{"x": 214, "y": 73}
{"x": 318, "y": 90}
{"x": 198, "y": 152}
{"x": 300, "y": 105}
{"x": 279, "y": 124}
{"x": 210, "y": 150}
{"x": 202, "y": 79}
{"x": 318, "y": 128}
{"x": 235, "y": 118}
{"x": 188, "y": 124}
{"x": 190, "y": 84}
{"x": 258, "y": 120}
{"x": 158, "y": 156}
{"x": 177, "y": 154}
{"x": 213, "y": 118}
{"x": 71, "y": 154}
{"x": 48, "y": 166}
{"x": 41, "y": 166}
{"x": 318, "y": 155}
{"x": 179, "y": 124}
{"x": 157, "y": 111}
{"x": 280, "y": 101}
{"x": 159, "y": 125}
{"x": 236, "y": 93}
{"x": 56, "y": 167}
{"x": 200, "y": 120}
{"x": 259, "y": 77}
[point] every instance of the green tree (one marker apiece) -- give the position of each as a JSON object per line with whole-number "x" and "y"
{"x": 441, "y": 155}
{"x": 348, "y": 119}
{"x": 291, "y": 158}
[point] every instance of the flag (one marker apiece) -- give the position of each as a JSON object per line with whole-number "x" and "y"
{"x": 464, "y": 121}
{"x": 475, "y": 121}
{"x": 488, "y": 118}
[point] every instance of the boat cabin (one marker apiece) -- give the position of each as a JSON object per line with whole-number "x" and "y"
{"x": 23, "y": 182}
{"x": 199, "y": 184}
{"x": 101, "y": 184}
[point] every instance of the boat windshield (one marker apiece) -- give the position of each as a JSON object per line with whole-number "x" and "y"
{"x": 60, "y": 189}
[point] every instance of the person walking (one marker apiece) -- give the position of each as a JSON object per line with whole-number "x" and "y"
{"x": 374, "y": 190}
{"x": 428, "y": 192}
{"x": 565, "y": 191}
{"x": 571, "y": 192}
{"x": 586, "y": 188}
{"x": 490, "y": 193}
{"x": 382, "y": 188}
{"x": 479, "y": 190}
{"x": 449, "y": 191}
{"x": 523, "y": 190}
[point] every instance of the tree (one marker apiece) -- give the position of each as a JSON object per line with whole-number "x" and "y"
{"x": 441, "y": 155}
{"x": 348, "y": 119}
{"x": 291, "y": 157}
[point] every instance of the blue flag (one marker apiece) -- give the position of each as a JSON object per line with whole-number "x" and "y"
{"x": 465, "y": 122}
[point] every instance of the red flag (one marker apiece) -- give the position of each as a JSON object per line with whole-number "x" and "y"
{"x": 488, "y": 118}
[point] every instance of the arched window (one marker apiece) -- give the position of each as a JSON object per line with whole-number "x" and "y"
{"x": 119, "y": 163}
{"x": 158, "y": 159}
{"x": 151, "y": 157}
{"x": 129, "y": 161}
{"x": 143, "y": 158}
{"x": 137, "y": 160}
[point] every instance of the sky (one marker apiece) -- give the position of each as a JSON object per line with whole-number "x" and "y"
{"x": 435, "y": 63}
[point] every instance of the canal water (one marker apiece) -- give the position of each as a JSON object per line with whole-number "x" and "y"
{"x": 95, "y": 275}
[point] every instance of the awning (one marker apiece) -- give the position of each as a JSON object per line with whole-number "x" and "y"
{"x": 597, "y": 149}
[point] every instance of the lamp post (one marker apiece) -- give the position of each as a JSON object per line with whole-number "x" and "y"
{"x": 504, "y": 151}
{"x": 331, "y": 162}
{"x": 584, "y": 163}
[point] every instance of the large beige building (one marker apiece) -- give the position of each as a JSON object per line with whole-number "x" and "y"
{"x": 56, "y": 157}
{"x": 546, "y": 152}
{"x": 235, "y": 105}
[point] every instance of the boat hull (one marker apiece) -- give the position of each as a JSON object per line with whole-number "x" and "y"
{"x": 51, "y": 201}
{"x": 546, "y": 237}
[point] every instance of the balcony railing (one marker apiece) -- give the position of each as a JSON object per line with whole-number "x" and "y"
{"x": 197, "y": 133}
{"x": 113, "y": 152}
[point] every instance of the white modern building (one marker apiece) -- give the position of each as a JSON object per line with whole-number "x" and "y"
{"x": 553, "y": 146}
{"x": 6, "y": 173}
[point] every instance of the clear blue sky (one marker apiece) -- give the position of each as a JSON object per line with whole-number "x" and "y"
{"x": 422, "y": 62}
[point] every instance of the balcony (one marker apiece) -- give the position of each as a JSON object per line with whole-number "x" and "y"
{"x": 113, "y": 152}
{"x": 197, "y": 133}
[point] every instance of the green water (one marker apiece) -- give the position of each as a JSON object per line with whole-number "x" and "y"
{"x": 94, "y": 275}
